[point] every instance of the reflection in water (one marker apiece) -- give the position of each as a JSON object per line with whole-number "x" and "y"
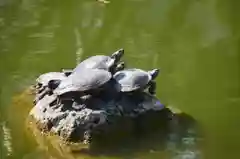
{"x": 183, "y": 141}
{"x": 7, "y": 139}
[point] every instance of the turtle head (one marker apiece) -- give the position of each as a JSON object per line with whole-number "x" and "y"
{"x": 53, "y": 84}
{"x": 117, "y": 55}
{"x": 115, "y": 58}
{"x": 154, "y": 73}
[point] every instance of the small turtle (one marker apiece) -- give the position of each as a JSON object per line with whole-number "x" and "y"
{"x": 136, "y": 79}
{"x": 43, "y": 80}
{"x": 82, "y": 83}
{"x": 46, "y": 83}
{"x": 104, "y": 62}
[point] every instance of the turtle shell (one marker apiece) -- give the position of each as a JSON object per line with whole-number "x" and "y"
{"x": 132, "y": 79}
{"x": 84, "y": 80}
{"x": 46, "y": 77}
{"x": 94, "y": 62}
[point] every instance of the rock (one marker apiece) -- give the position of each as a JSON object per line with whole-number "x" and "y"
{"x": 73, "y": 124}
{"x": 45, "y": 115}
{"x": 77, "y": 121}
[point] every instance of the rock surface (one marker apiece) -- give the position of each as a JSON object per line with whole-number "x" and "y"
{"x": 78, "y": 125}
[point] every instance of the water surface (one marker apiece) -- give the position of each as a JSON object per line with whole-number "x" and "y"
{"x": 195, "y": 43}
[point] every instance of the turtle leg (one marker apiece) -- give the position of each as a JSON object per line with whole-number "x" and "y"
{"x": 117, "y": 67}
{"x": 120, "y": 66}
{"x": 152, "y": 87}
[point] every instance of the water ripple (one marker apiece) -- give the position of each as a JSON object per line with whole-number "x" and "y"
{"x": 42, "y": 35}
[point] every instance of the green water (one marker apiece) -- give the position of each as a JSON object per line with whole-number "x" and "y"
{"x": 195, "y": 43}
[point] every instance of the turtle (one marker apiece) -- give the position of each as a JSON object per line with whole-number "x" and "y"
{"x": 109, "y": 63}
{"x": 47, "y": 82}
{"x": 82, "y": 84}
{"x": 118, "y": 67}
{"x": 133, "y": 79}
{"x": 43, "y": 80}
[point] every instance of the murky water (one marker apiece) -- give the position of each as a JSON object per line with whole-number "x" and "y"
{"x": 195, "y": 43}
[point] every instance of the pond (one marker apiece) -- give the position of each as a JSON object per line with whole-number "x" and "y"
{"x": 195, "y": 43}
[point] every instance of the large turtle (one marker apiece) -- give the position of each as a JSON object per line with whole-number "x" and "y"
{"x": 85, "y": 82}
{"x": 101, "y": 61}
{"x": 110, "y": 63}
{"x": 131, "y": 80}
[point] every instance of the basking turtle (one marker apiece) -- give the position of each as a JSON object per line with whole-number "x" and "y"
{"x": 82, "y": 83}
{"x": 136, "y": 79}
{"x": 111, "y": 63}
{"x": 104, "y": 62}
{"x": 47, "y": 82}
{"x": 43, "y": 80}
